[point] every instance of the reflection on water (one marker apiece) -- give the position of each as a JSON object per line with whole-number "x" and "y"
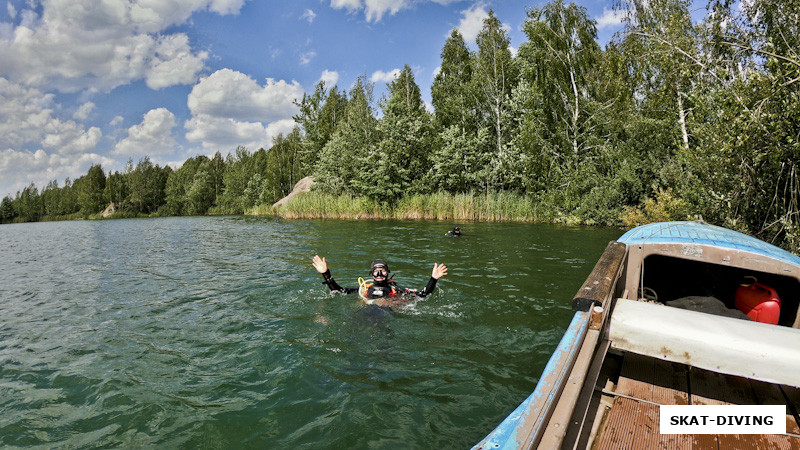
{"x": 216, "y": 331}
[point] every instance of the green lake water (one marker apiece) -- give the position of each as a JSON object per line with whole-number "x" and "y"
{"x": 216, "y": 332}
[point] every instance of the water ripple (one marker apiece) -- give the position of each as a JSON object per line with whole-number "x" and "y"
{"x": 216, "y": 331}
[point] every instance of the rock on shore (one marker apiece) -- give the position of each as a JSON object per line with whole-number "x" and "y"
{"x": 303, "y": 185}
{"x": 110, "y": 209}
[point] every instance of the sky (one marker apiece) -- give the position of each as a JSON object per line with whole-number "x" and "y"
{"x": 86, "y": 82}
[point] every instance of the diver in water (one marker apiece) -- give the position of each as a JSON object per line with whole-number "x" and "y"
{"x": 456, "y": 231}
{"x": 381, "y": 289}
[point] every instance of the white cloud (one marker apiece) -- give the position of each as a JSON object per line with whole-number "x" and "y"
{"x": 610, "y": 18}
{"x": 6, "y": 31}
{"x": 230, "y": 94}
{"x": 308, "y": 15}
{"x": 29, "y": 19}
{"x": 472, "y": 22}
{"x": 224, "y": 7}
{"x": 174, "y": 63}
{"x": 386, "y": 77}
{"x": 20, "y": 168}
{"x": 27, "y": 120}
{"x": 12, "y": 11}
{"x": 149, "y": 16}
{"x": 87, "y": 44}
{"x": 350, "y": 5}
{"x": 229, "y": 108}
{"x": 306, "y": 58}
{"x": 373, "y": 9}
{"x": 117, "y": 120}
{"x": 330, "y": 77}
{"x": 70, "y": 138}
{"x": 283, "y": 127}
{"x": 83, "y": 111}
{"x": 66, "y": 64}
{"x": 220, "y": 133}
{"x": 38, "y": 146}
{"x": 153, "y": 136}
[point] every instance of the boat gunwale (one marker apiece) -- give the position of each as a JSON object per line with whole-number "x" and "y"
{"x": 685, "y": 240}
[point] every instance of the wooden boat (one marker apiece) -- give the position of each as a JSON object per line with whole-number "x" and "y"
{"x": 627, "y": 352}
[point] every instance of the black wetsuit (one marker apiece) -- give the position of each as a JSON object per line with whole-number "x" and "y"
{"x": 334, "y": 286}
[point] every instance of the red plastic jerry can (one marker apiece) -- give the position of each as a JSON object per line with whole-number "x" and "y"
{"x": 760, "y": 302}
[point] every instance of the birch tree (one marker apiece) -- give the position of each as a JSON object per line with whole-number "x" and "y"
{"x": 494, "y": 80}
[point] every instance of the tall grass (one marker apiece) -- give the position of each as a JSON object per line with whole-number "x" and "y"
{"x": 314, "y": 205}
{"x": 501, "y": 206}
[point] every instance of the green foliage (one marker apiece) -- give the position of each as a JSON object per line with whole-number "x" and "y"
{"x": 672, "y": 119}
{"x": 7, "y": 210}
{"x": 51, "y": 198}
{"x": 320, "y": 115}
{"x": 665, "y": 207}
{"x": 200, "y": 195}
{"x": 147, "y": 184}
{"x": 240, "y": 169}
{"x": 558, "y": 61}
{"x": 191, "y": 188}
{"x": 68, "y": 203}
{"x": 500, "y": 206}
{"x": 492, "y": 84}
{"x": 344, "y": 155}
{"x": 452, "y": 100}
{"x": 116, "y": 190}
{"x": 397, "y": 164}
{"x": 460, "y": 162}
{"x": 323, "y": 205}
{"x": 284, "y": 167}
{"x": 28, "y": 204}
{"x": 92, "y": 190}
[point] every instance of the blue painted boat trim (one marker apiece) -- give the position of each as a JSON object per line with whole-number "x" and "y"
{"x": 704, "y": 234}
{"x": 506, "y": 434}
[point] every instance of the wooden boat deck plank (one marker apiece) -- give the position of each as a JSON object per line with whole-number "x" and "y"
{"x": 710, "y": 388}
{"x": 631, "y": 425}
{"x": 793, "y": 396}
{"x": 770, "y": 394}
{"x": 636, "y": 378}
{"x": 741, "y": 391}
{"x": 669, "y": 383}
{"x": 645, "y": 379}
{"x": 645, "y": 383}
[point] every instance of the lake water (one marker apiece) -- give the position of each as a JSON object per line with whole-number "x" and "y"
{"x": 216, "y": 332}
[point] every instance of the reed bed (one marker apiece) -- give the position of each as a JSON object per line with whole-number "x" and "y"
{"x": 501, "y": 206}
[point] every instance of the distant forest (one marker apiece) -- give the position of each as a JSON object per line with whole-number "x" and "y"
{"x": 672, "y": 120}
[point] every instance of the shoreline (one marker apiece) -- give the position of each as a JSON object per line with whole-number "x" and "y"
{"x": 495, "y": 207}
{"x": 465, "y": 207}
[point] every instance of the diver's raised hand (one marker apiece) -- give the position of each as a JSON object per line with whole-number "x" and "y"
{"x": 319, "y": 263}
{"x": 439, "y": 270}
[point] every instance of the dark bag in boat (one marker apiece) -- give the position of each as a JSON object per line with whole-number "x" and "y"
{"x": 709, "y": 305}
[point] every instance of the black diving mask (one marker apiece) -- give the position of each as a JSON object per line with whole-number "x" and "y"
{"x": 380, "y": 272}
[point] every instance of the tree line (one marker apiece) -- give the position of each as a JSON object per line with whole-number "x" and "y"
{"x": 673, "y": 119}
{"x": 202, "y": 185}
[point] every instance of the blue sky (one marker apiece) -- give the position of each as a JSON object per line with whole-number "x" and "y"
{"x": 87, "y": 82}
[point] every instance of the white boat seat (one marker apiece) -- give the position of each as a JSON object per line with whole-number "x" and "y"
{"x": 736, "y": 347}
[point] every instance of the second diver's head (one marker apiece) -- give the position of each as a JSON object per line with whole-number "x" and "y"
{"x": 456, "y": 230}
{"x": 379, "y": 272}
